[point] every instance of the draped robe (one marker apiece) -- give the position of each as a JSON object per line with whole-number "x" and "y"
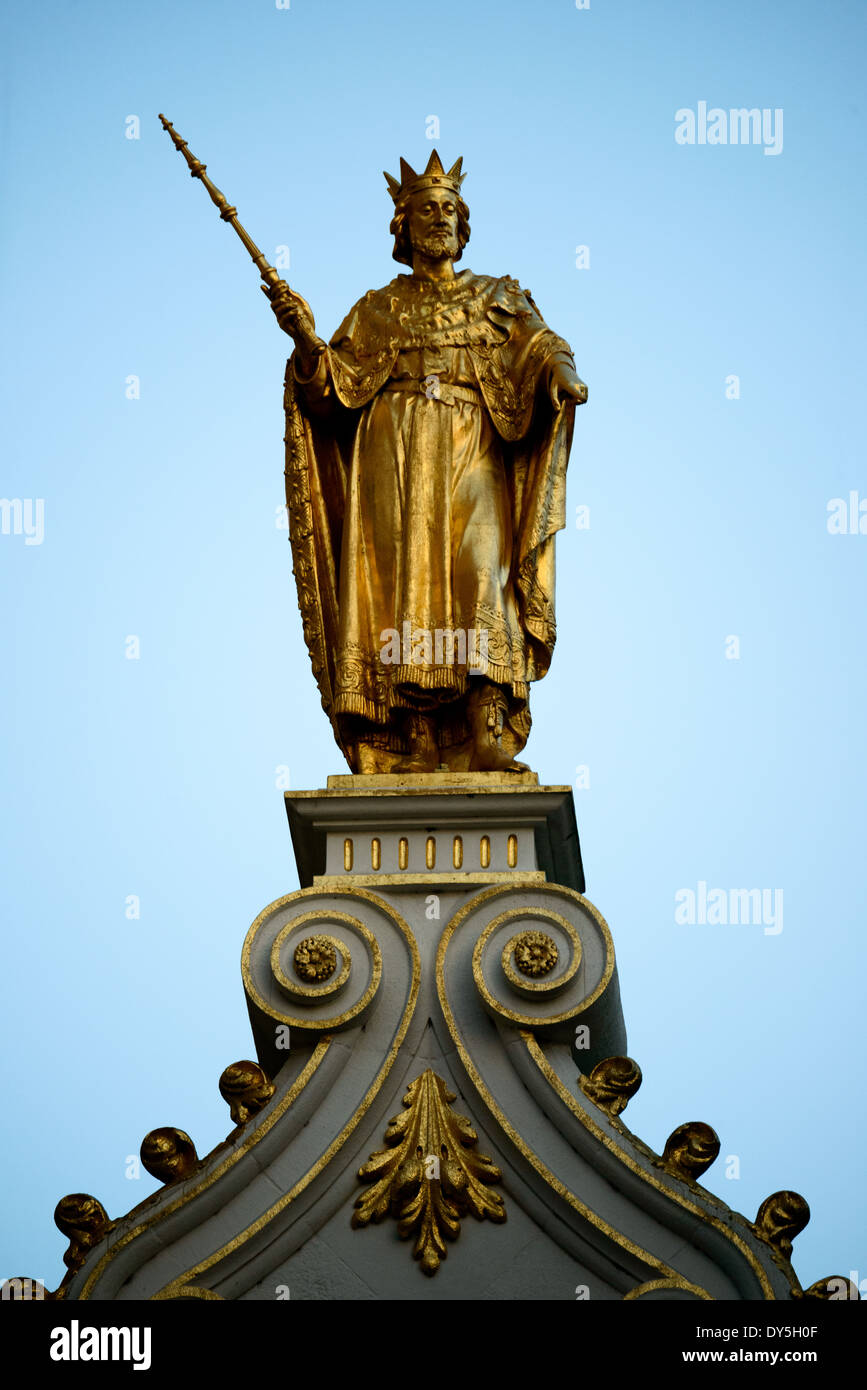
{"x": 425, "y": 482}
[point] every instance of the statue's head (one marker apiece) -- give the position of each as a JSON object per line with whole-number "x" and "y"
{"x": 429, "y": 213}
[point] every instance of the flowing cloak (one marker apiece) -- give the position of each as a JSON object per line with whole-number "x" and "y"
{"x": 500, "y": 334}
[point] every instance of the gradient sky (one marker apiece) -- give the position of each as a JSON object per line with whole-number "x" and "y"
{"x": 708, "y": 519}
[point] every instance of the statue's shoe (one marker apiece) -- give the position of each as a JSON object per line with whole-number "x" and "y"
{"x": 488, "y": 756}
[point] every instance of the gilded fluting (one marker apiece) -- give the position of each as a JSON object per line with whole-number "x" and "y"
{"x": 430, "y": 1175}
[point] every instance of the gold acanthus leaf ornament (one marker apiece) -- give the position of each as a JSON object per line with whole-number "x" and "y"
{"x": 430, "y": 1175}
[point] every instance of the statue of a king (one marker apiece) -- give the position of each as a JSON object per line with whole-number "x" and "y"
{"x": 426, "y": 453}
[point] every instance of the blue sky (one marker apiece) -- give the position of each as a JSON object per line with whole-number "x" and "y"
{"x": 157, "y": 777}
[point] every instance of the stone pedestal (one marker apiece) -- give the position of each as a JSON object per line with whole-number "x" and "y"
{"x": 438, "y": 1011}
{"x": 464, "y": 858}
{"x": 435, "y": 828}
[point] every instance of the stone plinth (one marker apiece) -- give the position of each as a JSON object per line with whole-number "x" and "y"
{"x": 435, "y": 828}
{"x": 437, "y": 1013}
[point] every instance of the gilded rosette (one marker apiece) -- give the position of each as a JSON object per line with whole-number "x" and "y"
{"x": 541, "y": 958}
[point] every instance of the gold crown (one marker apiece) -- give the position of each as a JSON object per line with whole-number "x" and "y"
{"x": 434, "y": 176}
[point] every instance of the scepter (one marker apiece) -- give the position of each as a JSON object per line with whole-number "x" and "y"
{"x": 227, "y": 212}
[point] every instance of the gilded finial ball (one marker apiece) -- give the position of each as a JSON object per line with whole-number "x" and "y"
{"x": 781, "y": 1218}
{"x": 79, "y": 1214}
{"x": 168, "y": 1154}
{"x": 84, "y": 1221}
{"x": 612, "y": 1083}
{"x": 246, "y": 1089}
{"x": 22, "y": 1289}
{"x": 691, "y": 1149}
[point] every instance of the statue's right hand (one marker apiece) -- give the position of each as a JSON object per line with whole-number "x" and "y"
{"x": 292, "y": 312}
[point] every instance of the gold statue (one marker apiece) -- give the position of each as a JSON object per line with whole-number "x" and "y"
{"x": 426, "y": 471}
{"x": 426, "y": 453}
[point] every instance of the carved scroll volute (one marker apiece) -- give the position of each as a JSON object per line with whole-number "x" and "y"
{"x": 612, "y": 1083}
{"x": 246, "y": 1088}
{"x": 835, "y": 1287}
{"x": 542, "y": 959}
{"x": 311, "y": 968}
{"x": 781, "y": 1218}
{"x": 84, "y": 1221}
{"x": 690, "y": 1150}
{"x": 169, "y": 1155}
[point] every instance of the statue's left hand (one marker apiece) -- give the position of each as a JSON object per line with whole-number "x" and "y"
{"x": 564, "y": 383}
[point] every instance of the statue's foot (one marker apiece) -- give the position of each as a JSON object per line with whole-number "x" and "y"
{"x": 457, "y": 757}
{"x": 424, "y": 754}
{"x": 366, "y": 759}
{"x": 412, "y": 764}
{"x": 369, "y": 759}
{"x": 487, "y": 759}
{"x": 487, "y": 710}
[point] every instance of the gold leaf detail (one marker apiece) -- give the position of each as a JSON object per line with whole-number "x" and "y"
{"x": 780, "y": 1218}
{"x": 430, "y": 1175}
{"x": 612, "y": 1083}
{"x": 169, "y": 1154}
{"x": 246, "y": 1088}
{"x": 535, "y": 953}
{"x": 690, "y": 1150}
{"x": 315, "y": 958}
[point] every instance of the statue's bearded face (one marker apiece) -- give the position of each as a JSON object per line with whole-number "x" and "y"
{"x": 433, "y": 223}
